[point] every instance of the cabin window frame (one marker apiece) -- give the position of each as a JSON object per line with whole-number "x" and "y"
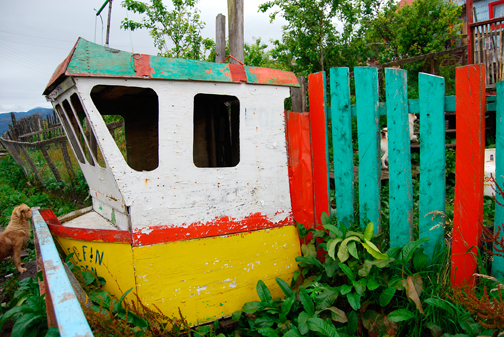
{"x": 216, "y": 131}
{"x": 140, "y": 125}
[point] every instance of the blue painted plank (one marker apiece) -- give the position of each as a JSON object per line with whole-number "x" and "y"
{"x": 498, "y": 261}
{"x": 368, "y": 126}
{"x": 342, "y": 145}
{"x": 400, "y": 186}
{"x": 432, "y": 161}
{"x": 68, "y": 312}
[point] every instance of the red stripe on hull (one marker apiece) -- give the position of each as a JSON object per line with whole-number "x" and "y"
{"x": 221, "y": 226}
{"x": 85, "y": 234}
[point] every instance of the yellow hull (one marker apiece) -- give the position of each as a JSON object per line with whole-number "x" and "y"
{"x": 206, "y": 278}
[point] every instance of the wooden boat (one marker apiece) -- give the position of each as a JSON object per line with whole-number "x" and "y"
{"x": 190, "y": 197}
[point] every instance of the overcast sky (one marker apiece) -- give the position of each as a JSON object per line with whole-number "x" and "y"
{"x": 36, "y": 36}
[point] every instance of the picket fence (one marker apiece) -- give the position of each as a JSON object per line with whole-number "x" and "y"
{"x": 307, "y": 136}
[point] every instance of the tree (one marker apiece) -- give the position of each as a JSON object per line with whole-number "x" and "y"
{"x": 422, "y": 27}
{"x": 310, "y": 40}
{"x": 182, "y": 26}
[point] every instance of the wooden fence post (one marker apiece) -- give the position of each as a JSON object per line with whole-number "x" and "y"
{"x": 300, "y": 167}
{"x": 320, "y": 154}
{"x": 469, "y": 171}
{"x": 341, "y": 116}
{"x": 49, "y": 162}
{"x": 399, "y": 153}
{"x": 298, "y": 96}
{"x": 498, "y": 261}
{"x": 432, "y": 162}
{"x": 368, "y": 126}
{"x": 220, "y": 38}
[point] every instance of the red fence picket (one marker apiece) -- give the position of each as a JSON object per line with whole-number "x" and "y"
{"x": 469, "y": 171}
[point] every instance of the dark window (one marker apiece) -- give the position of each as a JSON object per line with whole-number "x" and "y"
{"x": 216, "y": 141}
{"x": 139, "y": 108}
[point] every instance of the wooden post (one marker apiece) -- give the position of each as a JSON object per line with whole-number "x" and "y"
{"x": 300, "y": 167}
{"x": 68, "y": 163}
{"x": 341, "y": 116}
{"x": 399, "y": 151}
{"x": 220, "y": 38}
{"x": 236, "y": 39}
{"x": 298, "y": 96}
{"x": 432, "y": 161}
{"x": 469, "y": 30}
{"x": 32, "y": 165}
{"x": 498, "y": 261}
{"x": 318, "y": 130}
{"x": 368, "y": 125}
{"x": 49, "y": 162}
{"x": 469, "y": 171}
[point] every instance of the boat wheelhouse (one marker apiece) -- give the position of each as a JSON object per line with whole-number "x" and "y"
{"x": 190, "y": 194}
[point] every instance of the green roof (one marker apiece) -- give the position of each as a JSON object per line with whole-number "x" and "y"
{"x": 88, "y": 59}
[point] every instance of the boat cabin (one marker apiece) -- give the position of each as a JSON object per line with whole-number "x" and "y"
{"x": 200, "y": 153}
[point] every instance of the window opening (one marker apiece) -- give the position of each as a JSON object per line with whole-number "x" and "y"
{"x": 70, "y": 134}
{"x": 216, "y": 140}
{"x": 78, "y": 132}
{"x": 138, "y": 110}
{"x": 88, "y": 130}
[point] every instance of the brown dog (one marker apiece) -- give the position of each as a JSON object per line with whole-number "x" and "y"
{"x": 15, "y": 235}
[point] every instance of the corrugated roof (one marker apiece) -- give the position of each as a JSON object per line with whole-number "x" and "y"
{"x": 88, "y": 59}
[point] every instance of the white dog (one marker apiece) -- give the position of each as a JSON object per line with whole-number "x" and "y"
{"x": 384, "y": 138}
{"x": 384, "y": 147}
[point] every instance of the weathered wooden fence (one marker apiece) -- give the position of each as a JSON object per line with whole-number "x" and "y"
{"x": 39, "y": 134}
{"x": 309, "y": 159}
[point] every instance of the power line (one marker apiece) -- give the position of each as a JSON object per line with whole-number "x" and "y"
{"x": 35, "y": 45}
{"x": 37, "y": 37}
{"x": 25, "y": 57}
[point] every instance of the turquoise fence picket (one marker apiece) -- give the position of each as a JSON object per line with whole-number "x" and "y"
{"x": 432, "y": 196}
{"x": 368, "y": 129}
{"x": 399, "y": 152}
{"x": 498, "y": 262}
{"x": 341, "y": 116}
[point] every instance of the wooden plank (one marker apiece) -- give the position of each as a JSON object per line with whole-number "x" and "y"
{"x": 69, "y": 315}
{"x": 298, "y": 96}
{"x": 235, "y": 26}
{"x": 498, "y": 261}
{"x": 50, "y": 163}
{"x": 68, "y": 162}
{"x": 320, "y": 153}
{"x": 300, "y": 167}
{"x": 342, "y": 144}
{"x": 432, "y": 162}
{"x": 400, "y": 185}
{"x": 32, "y": 165}
{"x": 220, "y": 38}
{"x": 368, "y": 126}
{"x": 469, "y": 171}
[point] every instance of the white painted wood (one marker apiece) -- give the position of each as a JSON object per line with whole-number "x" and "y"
{"x": 178, "y": 193}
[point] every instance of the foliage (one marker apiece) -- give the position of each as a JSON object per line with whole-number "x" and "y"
{"x": 422, "y": 27}
{"x": 28, "y": 310}
{"x": 347, "y": 286}
{"x": 16, "y": 188}
{"x": 489, "y": 309}
{"x": 181, "y": 26}
{"x": 310, "y": 41}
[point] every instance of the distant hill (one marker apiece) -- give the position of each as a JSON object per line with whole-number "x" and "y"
{"x": 5, "y": 118}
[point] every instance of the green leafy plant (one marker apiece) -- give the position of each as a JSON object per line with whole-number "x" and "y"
{"x": 28, "y": 310}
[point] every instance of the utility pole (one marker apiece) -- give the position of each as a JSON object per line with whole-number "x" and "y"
{"x": 236, "y": 40}
{"x": 108, "y": 21}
